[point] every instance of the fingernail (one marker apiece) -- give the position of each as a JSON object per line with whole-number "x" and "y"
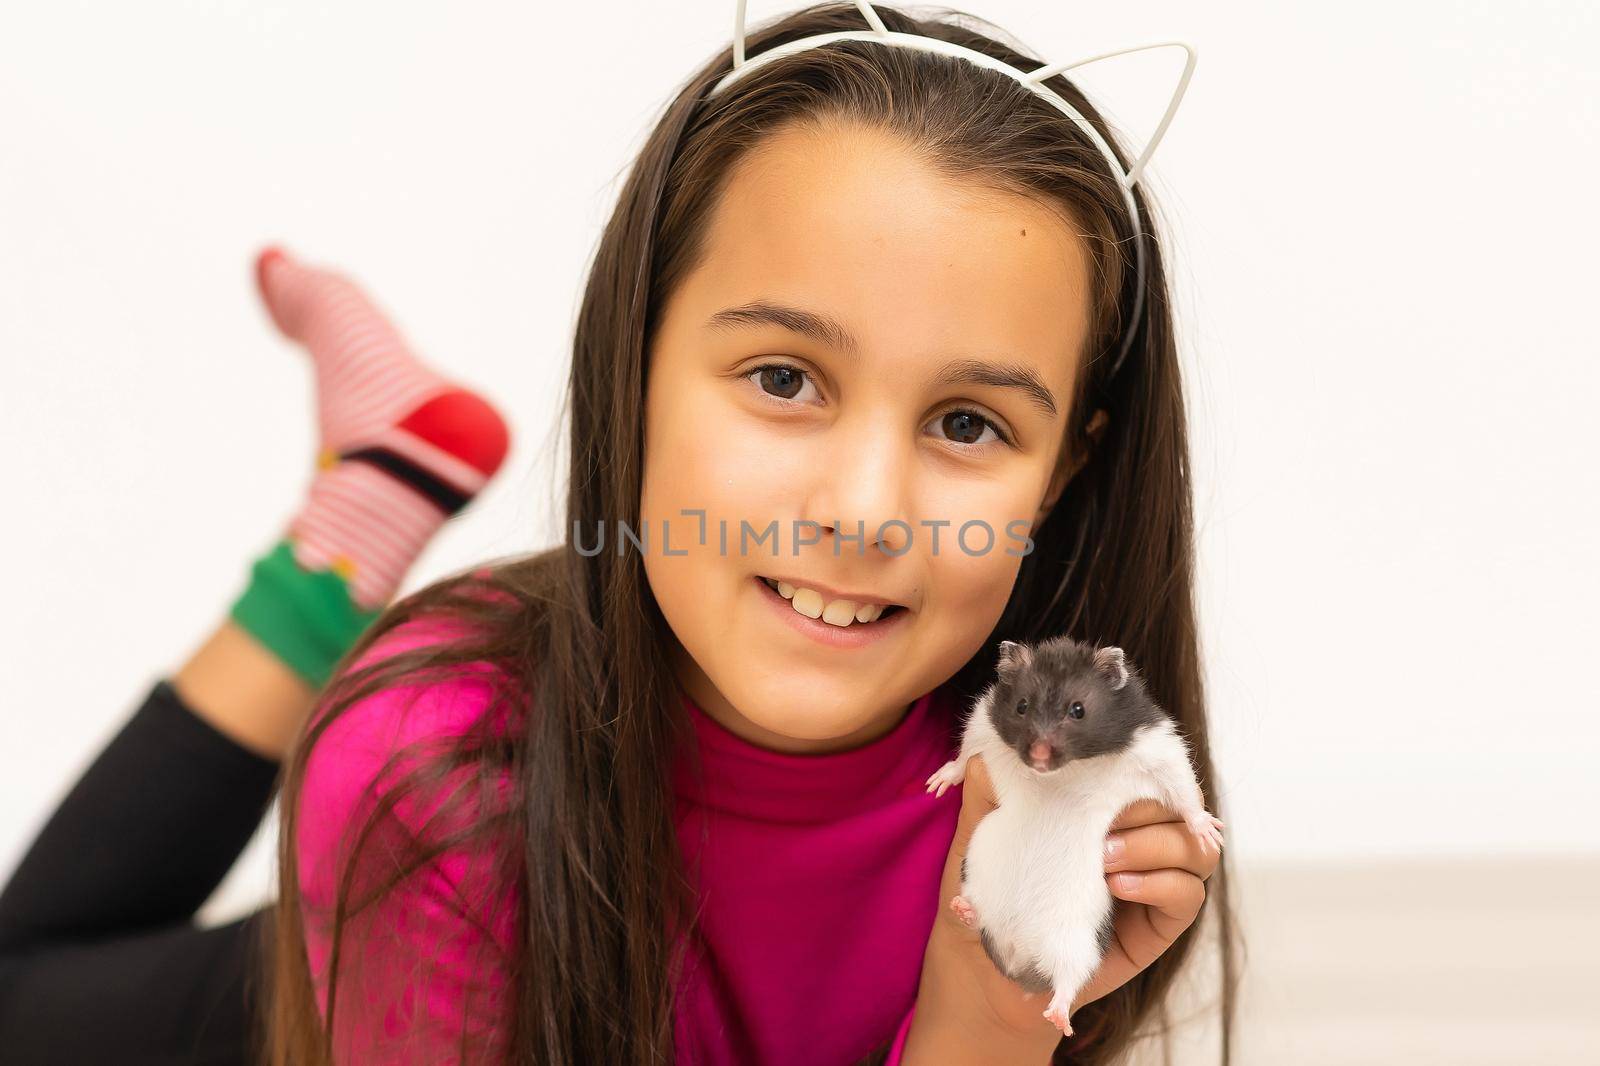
{"x": 1113, "y": 848}
{"x": 1127, "y": 882}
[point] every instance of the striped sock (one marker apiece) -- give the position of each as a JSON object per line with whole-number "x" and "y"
{"x": 400, "y": 450}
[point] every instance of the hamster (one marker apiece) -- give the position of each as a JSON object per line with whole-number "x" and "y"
{"x": 1070, "y": 738}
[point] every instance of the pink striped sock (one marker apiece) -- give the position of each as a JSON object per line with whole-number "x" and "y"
{"x": 400, "y": 448}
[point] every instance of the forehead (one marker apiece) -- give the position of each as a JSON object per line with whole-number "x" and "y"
{"x": 1059, "y": 677}
{"x": 846, "y": 219}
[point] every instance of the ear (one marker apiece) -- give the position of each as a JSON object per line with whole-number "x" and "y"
{"x": 1097, "y": 425}
{"x": 1113, "y": 663}
{"x": 1014, "y": 656}
{"x": 1069, "y": 466}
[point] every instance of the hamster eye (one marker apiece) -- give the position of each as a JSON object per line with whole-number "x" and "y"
{"x": 1075, "y": 710}
{"x": 1022, "y": 705}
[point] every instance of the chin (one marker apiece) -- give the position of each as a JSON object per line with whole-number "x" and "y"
{"x": 804, "y": 719}
{"x": 803, "y": 712}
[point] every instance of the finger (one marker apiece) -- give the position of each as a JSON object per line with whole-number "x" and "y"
{"x": 977, "y": 800}
{"x": 979, "y": 786}
{"x": 1172, "y": 898}
{"x": 1159, "y": 846}
{"x": 1144, "y": 812}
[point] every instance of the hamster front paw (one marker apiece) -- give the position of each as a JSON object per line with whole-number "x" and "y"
{"x": 1206, "y": 827}
{"x": 951, "y": 773}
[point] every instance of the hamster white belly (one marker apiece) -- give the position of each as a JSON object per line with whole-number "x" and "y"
{"x": 1034, "y": 871}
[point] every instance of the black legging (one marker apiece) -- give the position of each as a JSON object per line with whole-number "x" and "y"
{"x": 100, "y": 958}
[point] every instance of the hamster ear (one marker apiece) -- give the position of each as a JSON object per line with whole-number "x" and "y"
{"x": 1014, "y": 656}
{"x": 1114, "y": 664}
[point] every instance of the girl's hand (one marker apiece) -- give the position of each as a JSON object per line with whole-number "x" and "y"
{"x": 1159, "y": 872}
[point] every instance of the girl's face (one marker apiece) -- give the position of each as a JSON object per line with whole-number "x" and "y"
{"x": 919, "y": 338}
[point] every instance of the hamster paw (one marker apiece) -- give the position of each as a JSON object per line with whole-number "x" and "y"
{"x": 1059, "y": 1015}
{"x": 1207, "y": 827}
{"x": 965, "y": 911}
{"x": 951, "y": 773}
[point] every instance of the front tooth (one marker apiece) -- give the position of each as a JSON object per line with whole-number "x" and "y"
{"x": 808, "y": 602}
{"x": 840, "y": 613}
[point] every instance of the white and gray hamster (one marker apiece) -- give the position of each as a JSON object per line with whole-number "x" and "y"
{"x": 1070, "y": 738}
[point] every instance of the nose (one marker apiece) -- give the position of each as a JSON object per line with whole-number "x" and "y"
{"x": 862, "y": 486}
{"x": 1041, "y": 751}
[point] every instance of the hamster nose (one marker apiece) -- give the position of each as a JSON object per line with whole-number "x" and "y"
{"x": 1041, "y": 751}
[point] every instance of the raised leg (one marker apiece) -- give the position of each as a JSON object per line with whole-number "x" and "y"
{"x": 245, "y": 691}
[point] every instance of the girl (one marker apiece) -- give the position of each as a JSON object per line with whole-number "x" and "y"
{"x": 656, "y": 794}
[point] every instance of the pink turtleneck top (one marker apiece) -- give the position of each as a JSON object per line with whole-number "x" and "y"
{"x": 818, "y": 881}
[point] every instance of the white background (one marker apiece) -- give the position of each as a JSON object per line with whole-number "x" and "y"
{"x": 1383, "y": 253}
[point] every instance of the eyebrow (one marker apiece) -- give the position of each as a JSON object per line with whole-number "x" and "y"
{"x": 831, "y": 332}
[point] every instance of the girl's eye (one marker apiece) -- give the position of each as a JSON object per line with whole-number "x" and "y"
{"x": 785, "y": 382}
{"x": 780, "y": 381}
{"x": 1076, "y": 710}
{"x": 967, "y": 427}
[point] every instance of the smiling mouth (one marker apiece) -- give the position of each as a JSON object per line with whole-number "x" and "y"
{"x": 840, "y": 612}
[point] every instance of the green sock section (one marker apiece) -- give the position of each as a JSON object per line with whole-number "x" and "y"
{"x": 306, "y": 618}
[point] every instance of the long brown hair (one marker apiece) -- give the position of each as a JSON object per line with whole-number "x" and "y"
{"x": 583, "y": 641}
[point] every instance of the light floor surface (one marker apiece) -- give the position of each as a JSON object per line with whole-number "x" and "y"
{"x": 1455, "y": 962}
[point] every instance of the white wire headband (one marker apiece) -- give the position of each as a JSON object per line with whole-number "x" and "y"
{"x": 1031, "y": 80}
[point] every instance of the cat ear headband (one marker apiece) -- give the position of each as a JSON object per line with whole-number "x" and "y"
{"x": 1032, "y": 80}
